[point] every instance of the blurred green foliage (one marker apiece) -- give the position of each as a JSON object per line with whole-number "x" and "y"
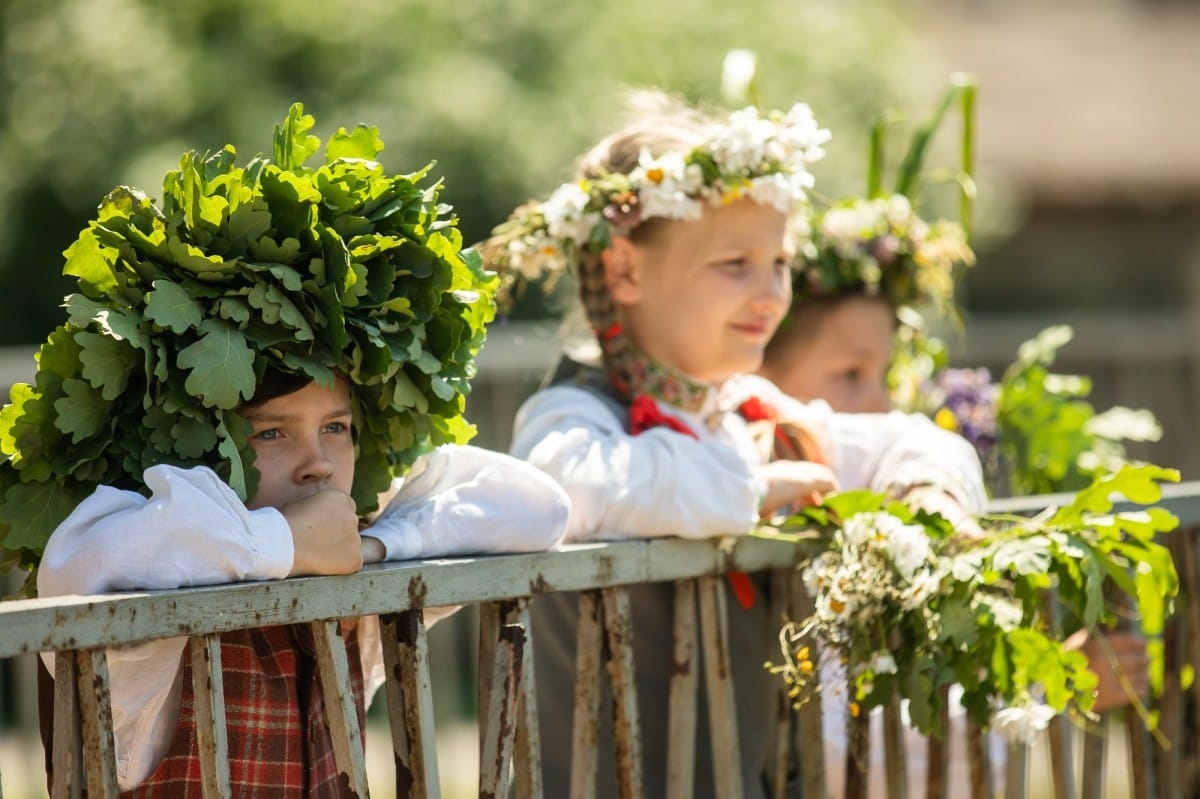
{"x": 503, "y": 94}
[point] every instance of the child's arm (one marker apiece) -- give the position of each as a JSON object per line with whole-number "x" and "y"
{"x": 462, "y": 500}
{"x": 657, "y": 483}
{"x": 895, "y": 452}
{"x": 192, "y": 530}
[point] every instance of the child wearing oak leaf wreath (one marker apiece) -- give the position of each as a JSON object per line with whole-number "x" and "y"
{"x": 677, "y": 227}
{"x": 345, "y": 296}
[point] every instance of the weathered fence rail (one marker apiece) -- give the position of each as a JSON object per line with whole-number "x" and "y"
{"x": 79, "y": 629}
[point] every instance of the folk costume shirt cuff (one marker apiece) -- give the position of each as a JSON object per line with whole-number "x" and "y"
{"x": 463, "y": 500}
{"x": 192, "y": 530}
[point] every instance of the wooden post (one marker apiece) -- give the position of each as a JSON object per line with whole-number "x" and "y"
{"x": 937, "y": 755}
{"x": 410, "y": 704}
{"x": 68, "y": 739}
{"x": 1015, "y": 777}
{"x": 95, "y": 707}
{"x": 341, "y": 707}
{"x": 208, "y": 690}
{"x": 585, "y": 740}
{"x": 718, "y": 678}
{"x": 622, "y": 677}
{"x": 527, "y": 750}
{"x": 499, "y": 726}
{"x": 895, "y": 767}
{"x": 979, "y": 761}
{"x": 810, "y": 734}
{"x": 681, "y": 726}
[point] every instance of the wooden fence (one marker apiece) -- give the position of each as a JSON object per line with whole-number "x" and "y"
{"x": 79, "y": 628}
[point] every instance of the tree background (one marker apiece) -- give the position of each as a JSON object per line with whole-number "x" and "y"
{"x": 502, "y": 94}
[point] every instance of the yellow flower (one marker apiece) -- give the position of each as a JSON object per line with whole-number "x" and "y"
{"x": 854, "y": 709}
{"x": 806, "y": 666}
{"x": 945, "y": 418}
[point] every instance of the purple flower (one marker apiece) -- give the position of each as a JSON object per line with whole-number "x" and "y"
{"x": 966, "y": 401}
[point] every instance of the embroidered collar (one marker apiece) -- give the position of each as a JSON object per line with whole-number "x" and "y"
{"x": 672, "y": 387}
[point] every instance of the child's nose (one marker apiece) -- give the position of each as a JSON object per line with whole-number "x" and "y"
{"x": 315, "y": 465}
{"x": 775, "y": 289}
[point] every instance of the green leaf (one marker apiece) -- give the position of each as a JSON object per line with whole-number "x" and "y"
{"x": 1024, "y": 555}
{"x": 293, "y": 144}
{"x": 194, "y": 259}
{"x": 35, "y": 510}
{"x": 221, "y": 366}
{"x": 362, "y": 142}
{"x": 106, "y": 363}
{"x": 81, "y": 413}
{"x": 192, "y": 438}
{"x": 845, "y": 504}
{"x": 170, "y": 306}
{"x": 92, "y": 264}
{"x": 249, "y": 222}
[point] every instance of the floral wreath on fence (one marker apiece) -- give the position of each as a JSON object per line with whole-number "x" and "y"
{"x": 909, "y": 608}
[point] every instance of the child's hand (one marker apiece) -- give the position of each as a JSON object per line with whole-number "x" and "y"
{"x": 935, "y": 500}
{"x": 325, "y": 534}
{"x": 1119, "y": 660}
{"x": 794, "y": 483}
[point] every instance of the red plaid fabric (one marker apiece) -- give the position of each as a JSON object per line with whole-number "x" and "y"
{"x": 279, "y": 741}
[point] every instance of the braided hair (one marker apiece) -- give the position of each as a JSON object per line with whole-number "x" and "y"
{"x": 660, "y": 124}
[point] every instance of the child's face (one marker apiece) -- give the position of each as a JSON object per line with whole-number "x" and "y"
{"x": 302, "y": 443}
{"x": 844, "y": 362}
{"x": 710, "y": 293}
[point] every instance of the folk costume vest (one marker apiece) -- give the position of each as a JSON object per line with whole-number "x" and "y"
{"x": 279, "y": 740}
{"x": 753, "y": 639}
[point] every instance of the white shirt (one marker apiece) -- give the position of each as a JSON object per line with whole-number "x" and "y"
{"x": 663, "y": 483}
{"x": 193, "y": 530}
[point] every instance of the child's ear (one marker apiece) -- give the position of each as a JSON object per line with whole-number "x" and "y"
{"x": 622, "y": 271}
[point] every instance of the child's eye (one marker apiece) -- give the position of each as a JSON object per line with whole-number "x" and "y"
{"x": 337, "y": 428}
{"x": 270, "y": 434}
{"x": 852, "y": 375}
{"x": 733, "y": 266}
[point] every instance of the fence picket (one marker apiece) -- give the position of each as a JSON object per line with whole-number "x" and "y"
{"x": 341, "y": 709}
{"x": 208, "y": 688}
{"x": 409, "y": 693}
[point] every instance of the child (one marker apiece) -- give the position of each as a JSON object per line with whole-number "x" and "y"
{"x": 677, "y": 227}
{"x": 836, "y": 345}
{"x": 864, "y": 264}
{"x": 837, "y": 350}
{"x": 338, "y": 360}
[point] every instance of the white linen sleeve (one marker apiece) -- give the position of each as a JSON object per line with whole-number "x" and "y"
{"x": 659, "y": 483}
{"x": 193, "y": 530}
{"x": 887, "y": 451}
{"x": 463, "y": 500}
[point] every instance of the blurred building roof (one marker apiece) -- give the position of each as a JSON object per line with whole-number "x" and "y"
{"x": 1082, "y": 98}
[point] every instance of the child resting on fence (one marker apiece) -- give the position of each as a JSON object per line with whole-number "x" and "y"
{"x": 282, "y": 344}
{"x": 677, "y": 228}
{"x": 836, "y": 345}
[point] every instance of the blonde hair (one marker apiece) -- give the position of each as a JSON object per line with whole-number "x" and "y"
{"x": 657, "y": 123}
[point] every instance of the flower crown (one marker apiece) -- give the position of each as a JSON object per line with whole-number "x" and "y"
{"x": 763, "y": 157}
{"x": 880, "y": 247}
{"x": 338, "y": 270}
